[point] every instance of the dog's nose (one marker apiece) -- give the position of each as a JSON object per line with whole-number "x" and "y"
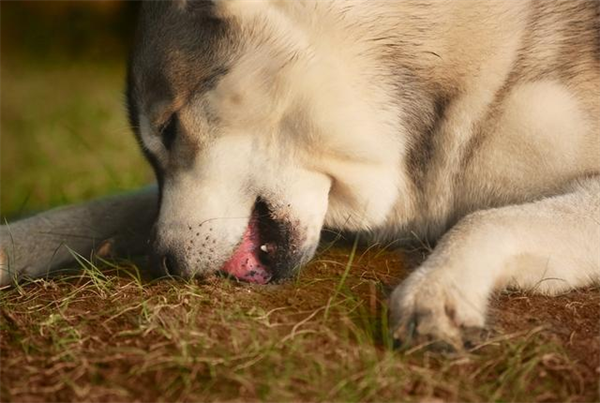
{"x": 170, "y": 266}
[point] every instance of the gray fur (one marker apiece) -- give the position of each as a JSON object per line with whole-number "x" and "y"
{"x": 44, "y": 243}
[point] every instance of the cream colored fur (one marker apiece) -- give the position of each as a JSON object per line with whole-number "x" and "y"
{"x": 475, "y": 124}
{"x": 540, "y": 138}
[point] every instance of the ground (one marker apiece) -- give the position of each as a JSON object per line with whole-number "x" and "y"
{"x": 111, "y": 336}
{"x": 107, "y": 334}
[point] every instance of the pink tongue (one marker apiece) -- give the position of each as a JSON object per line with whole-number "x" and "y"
{"x": 244, "y": 263}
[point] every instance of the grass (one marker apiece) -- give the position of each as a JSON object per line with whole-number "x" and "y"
{"x": 110, "y": 336}
{"x": 107, "y": 334}
{"x": 64, "y": 135}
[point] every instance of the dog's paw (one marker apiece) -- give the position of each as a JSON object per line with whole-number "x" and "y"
{"x": 432, "y": 309}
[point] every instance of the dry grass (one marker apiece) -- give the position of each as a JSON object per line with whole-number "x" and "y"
{"x": 113, "y": 337}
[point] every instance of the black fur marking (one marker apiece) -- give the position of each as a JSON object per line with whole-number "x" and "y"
{"x": 424, "y": 124}
{"x": 133, "y": 112}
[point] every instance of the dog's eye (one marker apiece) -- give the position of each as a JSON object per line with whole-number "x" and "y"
{"x": 168, "y": 132}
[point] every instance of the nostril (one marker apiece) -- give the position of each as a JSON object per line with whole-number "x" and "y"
{"x": 169, "y": 265}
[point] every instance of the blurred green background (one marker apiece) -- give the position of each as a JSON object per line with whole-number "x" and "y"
{"x": 64, "y": 135}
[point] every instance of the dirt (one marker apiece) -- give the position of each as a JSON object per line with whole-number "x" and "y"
{"x": 571, "y": 320}
{"x": 167, "y": 341}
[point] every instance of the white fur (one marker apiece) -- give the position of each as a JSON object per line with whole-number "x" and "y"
{"x": 550, "y": 246}
{"x": 310, "y": 119}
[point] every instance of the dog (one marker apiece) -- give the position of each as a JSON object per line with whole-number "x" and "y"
{"x": 474, "y": 125}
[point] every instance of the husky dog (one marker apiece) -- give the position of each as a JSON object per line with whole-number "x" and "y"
{"x": 473, "y": 124}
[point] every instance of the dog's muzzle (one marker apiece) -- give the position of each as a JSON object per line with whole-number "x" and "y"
{"x": 267, "y": 252}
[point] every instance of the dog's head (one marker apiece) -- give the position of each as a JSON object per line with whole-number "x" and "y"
{"x": 259, "y": 134}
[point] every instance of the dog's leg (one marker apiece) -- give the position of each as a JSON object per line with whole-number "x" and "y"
{"x": 549, "y": 246}
{"x": 42, "y": 244}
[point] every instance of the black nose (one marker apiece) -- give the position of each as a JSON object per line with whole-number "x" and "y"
{"x": 169, "y": 265}
{"x": 164, "y": 264}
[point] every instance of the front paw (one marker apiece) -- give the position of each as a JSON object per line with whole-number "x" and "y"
{"x": 433, "y": 309}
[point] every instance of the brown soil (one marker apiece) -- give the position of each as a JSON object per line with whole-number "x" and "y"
{"x": 570, "y": 320}
{"x": 166, "y": 341}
